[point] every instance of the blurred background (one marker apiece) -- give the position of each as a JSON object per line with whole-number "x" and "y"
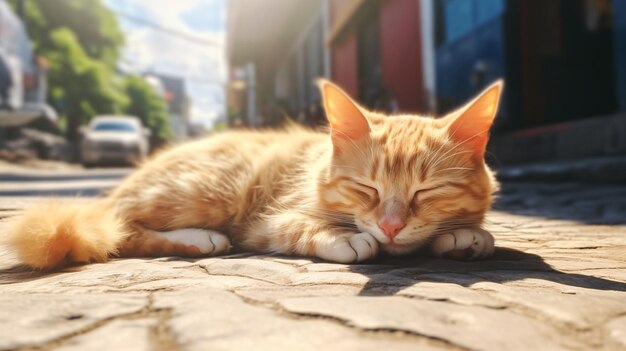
{"x": 105, "y": 82}
{"x": 564, "y": 63}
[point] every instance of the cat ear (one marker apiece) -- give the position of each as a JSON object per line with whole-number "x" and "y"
{"x": 344, "y": 115}
{"x": 470, "y": 125}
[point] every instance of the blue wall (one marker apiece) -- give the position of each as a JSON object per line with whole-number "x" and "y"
{"x": 473, "y": 40}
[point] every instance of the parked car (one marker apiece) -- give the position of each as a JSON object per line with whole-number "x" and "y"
{"x": 114, "y": 139}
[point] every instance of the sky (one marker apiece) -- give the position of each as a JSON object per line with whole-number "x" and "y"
{"x": 198, "y": 55}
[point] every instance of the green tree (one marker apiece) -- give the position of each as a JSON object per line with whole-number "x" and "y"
{"x": 81, "y": 87}
{"x": 151, "y": 108}
{"x": 81, "y": 40}
{"x": 95, "y": 26}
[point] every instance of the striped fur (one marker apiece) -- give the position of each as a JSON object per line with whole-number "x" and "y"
{"x": 294, "y": 191}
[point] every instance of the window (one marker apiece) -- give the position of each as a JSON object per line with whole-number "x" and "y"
{"x": 113, "y": 127}
{"x": 460, "y": 17}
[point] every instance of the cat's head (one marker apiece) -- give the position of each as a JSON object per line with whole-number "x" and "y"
{"x": 408, "y": 178}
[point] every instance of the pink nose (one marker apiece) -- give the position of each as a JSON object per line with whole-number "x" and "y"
{"x": 391, "y": 227}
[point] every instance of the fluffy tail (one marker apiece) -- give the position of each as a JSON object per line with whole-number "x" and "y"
{"x": 56, "y": 233}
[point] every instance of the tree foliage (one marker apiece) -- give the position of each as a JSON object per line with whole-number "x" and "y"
{"x": 80, "y": 87}
{"x": 95, "y": 26}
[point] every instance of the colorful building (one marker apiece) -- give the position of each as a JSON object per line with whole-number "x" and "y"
{"x": 373, "y": 49}
{"x": 563, "y": 61}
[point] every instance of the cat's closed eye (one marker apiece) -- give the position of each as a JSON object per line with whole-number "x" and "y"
{"x": 366, "y": 193}
{"x": 425, "y": 192}
{"x": 367, "y": 188}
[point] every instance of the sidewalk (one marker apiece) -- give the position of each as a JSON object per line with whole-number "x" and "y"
{"x": 595, "y": 170}
{"x": 557, "y": 282}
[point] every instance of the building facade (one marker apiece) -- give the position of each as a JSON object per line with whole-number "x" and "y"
{"x": 274, "y": 63}
{"x": 563, "y": 61}
{"x": 377, "y": 53}
{"x": 23, "y": 76}
{"x": 373, "y": 49}
{"x": 174, "y": 91}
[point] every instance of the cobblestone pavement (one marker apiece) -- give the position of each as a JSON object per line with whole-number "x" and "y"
{"x": 557, "y": 282}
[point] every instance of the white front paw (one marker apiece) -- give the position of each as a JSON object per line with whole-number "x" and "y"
{"x": 349, "y": 248}
{"x": 208, "y": 242}
{"x": 464, "y": 244}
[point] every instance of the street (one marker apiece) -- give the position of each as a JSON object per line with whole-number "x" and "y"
{"x": 557, "y": 282}
{"x": 70, "y": 182}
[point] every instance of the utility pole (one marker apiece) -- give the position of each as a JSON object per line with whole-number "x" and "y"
{"x": 20, "y": 10}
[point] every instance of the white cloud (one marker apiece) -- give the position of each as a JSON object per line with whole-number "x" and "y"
{"x": 203, "y": 66}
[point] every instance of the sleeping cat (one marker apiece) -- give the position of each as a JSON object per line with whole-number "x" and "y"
{"x": 373, "y": 183}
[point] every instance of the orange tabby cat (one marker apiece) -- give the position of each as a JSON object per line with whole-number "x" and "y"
{"x": 375, "y": 183}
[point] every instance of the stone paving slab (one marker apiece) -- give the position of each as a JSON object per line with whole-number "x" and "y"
{"x": 557, "y": 282}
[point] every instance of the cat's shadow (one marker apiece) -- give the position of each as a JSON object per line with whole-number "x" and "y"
{"x": 389, "y": 275}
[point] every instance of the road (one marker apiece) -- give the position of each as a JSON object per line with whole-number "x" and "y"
{"x": 70, "y": 182}
{"x": 557, "y": 282}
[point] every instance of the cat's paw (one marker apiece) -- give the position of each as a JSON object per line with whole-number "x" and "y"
{"x": 349, "y": 248}
{"x": 464, "y": 244}
{"x": 198, "y": 242}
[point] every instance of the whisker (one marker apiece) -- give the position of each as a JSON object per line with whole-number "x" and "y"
{"x": 443, "y": 159}
{"x": 454, "y": 169}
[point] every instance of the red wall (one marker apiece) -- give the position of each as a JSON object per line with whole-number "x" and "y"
{"x": 344, "y": 63}
{"x": 401, "y": 52}
{"x": 343, "y": 53}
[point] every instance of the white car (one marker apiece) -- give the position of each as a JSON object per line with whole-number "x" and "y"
{"x": 114, "y": 139}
